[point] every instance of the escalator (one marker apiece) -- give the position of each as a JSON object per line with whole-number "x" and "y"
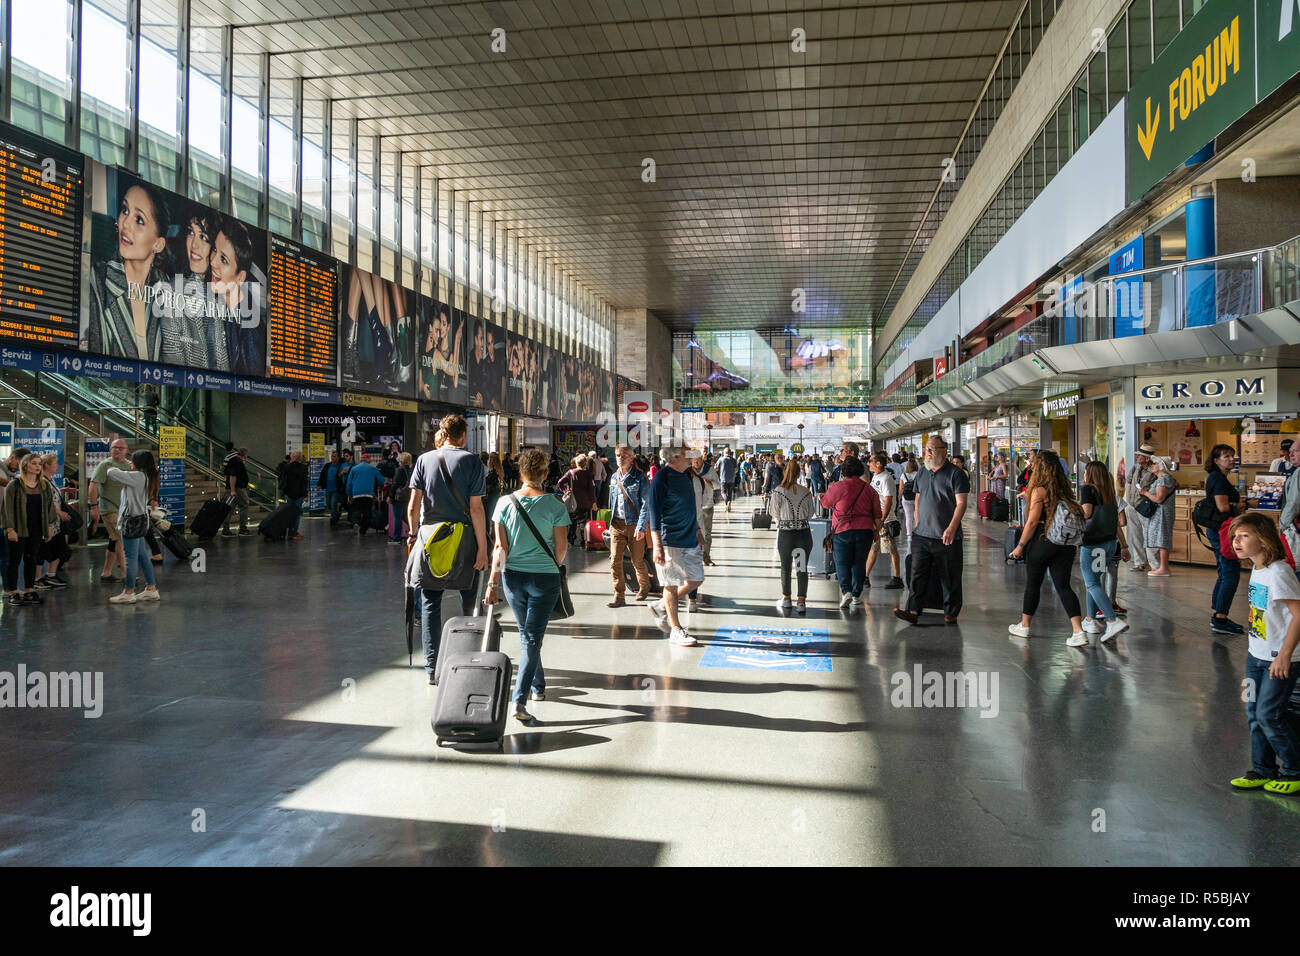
{"x": 92, "y": 409}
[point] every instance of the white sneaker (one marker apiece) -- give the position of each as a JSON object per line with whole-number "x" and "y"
{"x": 126, "y": 597}
{"x": 1018, "y": 630}
{"x": 661, "y": 612}
{"x": 147, "y": 595}
{"x": 1077, "y": 639}
{"x": 681, "y": 637}
{"x": 1092, "y": 626}
{"x": 845, "y": 598}
{"x": 1114, "y": 627}
{"x": 784, "y": 604}
{"x": 692, "y": 604}
{"x": 801, "y": 609}
{"x": 858, "y": 602}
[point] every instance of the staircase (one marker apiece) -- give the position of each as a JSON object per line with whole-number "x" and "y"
{"x": 92, "y": 409}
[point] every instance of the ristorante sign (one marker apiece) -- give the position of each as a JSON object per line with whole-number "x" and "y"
{"x": 1217, "y": 394}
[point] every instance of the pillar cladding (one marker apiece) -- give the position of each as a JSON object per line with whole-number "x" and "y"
{"x": 644, "y": 350}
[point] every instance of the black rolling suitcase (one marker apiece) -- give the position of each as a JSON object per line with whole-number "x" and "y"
{"x": 175, "y": 542}
{"x": 630, "y": 582}
{"x": 474, "y": 692}
{"x": 465, "y": 635}
{"x": 276, "y": 525}
{"x": 208, "y": 521}
{"x": 761, "y": 520}
{"x": 1012, "y": 540}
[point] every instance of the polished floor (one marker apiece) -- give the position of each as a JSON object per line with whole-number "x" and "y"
{"x": 265, "y": 713}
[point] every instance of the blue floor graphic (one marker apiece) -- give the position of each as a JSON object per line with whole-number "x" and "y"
{"x": 769, "y": 648}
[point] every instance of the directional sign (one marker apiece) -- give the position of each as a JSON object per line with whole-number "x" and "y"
{"x": 769, "y": 648}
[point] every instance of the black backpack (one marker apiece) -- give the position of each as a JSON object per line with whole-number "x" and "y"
{"x": 1207, "y": 515}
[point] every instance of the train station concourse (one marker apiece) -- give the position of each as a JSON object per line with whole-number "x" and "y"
{"x": 555, "y": 434}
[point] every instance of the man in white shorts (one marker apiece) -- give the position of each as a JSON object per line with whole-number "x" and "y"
{"x": 677, "y": 539}
{"x": 883, "y": 481}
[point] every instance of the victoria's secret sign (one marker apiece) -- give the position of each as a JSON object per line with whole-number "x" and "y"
{"x": 335, "y": 416}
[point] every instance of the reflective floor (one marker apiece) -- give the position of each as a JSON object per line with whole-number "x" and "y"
{"x": 265, "y": 713}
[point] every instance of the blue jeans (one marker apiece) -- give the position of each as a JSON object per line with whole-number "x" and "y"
{"x": 334, "y": 502}
{"x": 136, "y": 552}
{"x": 300, "y": 502}
{"x": 532, "y": 596}
{"x": 1273, "y": 738}
{"x": 428, "y": 604}
{"x": 1094, "y": 559}
{"x": 851, "y": 549}
{"x": 1225, "y": 588}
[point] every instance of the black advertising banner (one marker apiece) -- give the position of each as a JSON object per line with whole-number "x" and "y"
{"x": 569, "y": 385}
{"x": 550, "y": 359}
{"x": 607, "y": 391}
{"x": 487, "y": 349}
{"x": 377, "y": 341}
{"x": 174, "y": 281}
{"x": 587, "y": 393}
{"x": 534, "y": 400}
{"x": 516, "y": 383}
{"x": 41, "y": 189}
{"x": 442, "y": 354}
{"x": 301, "y": 323}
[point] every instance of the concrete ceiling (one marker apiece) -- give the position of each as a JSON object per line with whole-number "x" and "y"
{"x": 775, "y": 170}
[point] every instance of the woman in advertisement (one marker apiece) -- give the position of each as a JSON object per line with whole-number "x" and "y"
{"x": 122, "y": 320}
{"x": 570, "y": 386}
{"x": 429, "y": 374}
{"x": 551, "y": 383}
{"x": 481, "y": 380}
{"x": 192, "y": 333}
{"x": 368, "y": 335}
{"x": 448, "y": 361}
{"x": 239, "y": 301}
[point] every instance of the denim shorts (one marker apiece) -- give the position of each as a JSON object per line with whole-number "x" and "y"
{"x": 681, "y": 566}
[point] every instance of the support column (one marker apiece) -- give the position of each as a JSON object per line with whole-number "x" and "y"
{"x": 72, "y": 115}
{"x": 227, "y": 117}
{"x": 644, "y": 350}
{"x": 182, "y": 96}
{"x": 1198, "y": 281}
{"x": 376, "y": 203}
{"x": 295, "y": 214}
{"x": 263, "y": 140}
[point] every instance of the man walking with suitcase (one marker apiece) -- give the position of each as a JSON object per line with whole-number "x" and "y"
{"x": 237, "y": 486}
{"x": 942, "y": 490}
{"x": 447, "y": 484}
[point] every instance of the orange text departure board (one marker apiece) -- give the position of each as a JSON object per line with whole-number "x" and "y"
{"x": 302, "y": 321}
{"x": 40, "y": 240}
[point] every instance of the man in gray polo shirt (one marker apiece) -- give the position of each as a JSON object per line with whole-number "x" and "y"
{"x": 941, "y": 493}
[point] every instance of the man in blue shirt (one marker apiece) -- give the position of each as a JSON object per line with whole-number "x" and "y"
{"x": 727, "y": 475}
{"x": 365, "y": 482}
{"x": 627, "y": 526}
{"x": 329, "y": 483}
{"x": 677, "y": 539}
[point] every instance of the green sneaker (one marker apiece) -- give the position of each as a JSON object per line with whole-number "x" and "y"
{"x": 1250, "y": 781}
{"x": 1287, "y": 788}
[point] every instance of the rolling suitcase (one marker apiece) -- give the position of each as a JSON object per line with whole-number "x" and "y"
{"x": 1012, "y": 538}
{"x": 1001, "y": 510}
{"x": 818, "y": 562}
{"x": 761, "y": 520}
{"x": 630, "y": 582}
{"x": 276, "y": 525}
{"x": 593, "y": 534}
{"x": 175, "y": 542}
{"x": 208, "y": 521}
{"x": 465, "y": 635}
{"x": 473, "y": 694}
{"x": 984, "y": 504}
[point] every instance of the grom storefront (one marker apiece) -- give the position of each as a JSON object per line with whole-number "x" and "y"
{"x": 1183, "y": 416}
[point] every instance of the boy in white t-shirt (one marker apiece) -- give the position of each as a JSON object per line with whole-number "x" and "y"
{"x": 1273, "y": 651}
{"x": 882, "y": 479}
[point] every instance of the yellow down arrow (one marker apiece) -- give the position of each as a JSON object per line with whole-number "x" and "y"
{"x": 1147, "y": 137}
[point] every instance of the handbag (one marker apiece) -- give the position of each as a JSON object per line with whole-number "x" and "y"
{"x": 1147, "y": 508}
{"x": 849, "y": 511}
{"x": 74, "y": 523}
{"x": 135, "y": 526}
{"x": 564, "y": 602}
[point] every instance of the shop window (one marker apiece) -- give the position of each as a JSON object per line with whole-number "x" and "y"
{"x": 1117, "y": 63}
{"x": 1165, "y": 23}
{"x": 1139, "y": 39}
{"x": 1097, "y": 107}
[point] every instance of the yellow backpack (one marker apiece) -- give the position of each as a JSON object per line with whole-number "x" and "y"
{"x": 442, "y": 546}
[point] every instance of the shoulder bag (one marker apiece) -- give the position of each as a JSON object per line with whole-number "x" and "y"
{"x": 563, "y": 603}
{"x": 849, "y": 510}
{"x": 455, "y": 492}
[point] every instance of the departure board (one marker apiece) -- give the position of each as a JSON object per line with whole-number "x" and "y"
{"x": 40, "y": 240}
{"x": 302, "y": 321}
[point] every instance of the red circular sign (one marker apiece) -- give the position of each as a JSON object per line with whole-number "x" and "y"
{"x": 638, "y": 406}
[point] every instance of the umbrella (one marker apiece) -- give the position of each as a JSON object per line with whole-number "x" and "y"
{"x": 410, "y": 615}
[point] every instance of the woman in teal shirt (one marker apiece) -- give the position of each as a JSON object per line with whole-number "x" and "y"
{"x": 526, "y": 567}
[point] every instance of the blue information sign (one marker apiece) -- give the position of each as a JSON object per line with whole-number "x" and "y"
{"x": 769, "y": 648}
{"x": 171, "y": 488}
{"x": 1128, "y": 292}
{"x": 43, "y": 441}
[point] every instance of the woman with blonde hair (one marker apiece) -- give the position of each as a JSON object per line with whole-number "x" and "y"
{"x": 1159, "y": 525}
{"x": 791, "y": 505}
{"x": 28, "y": 512}
{"x": 1049, "y": 545}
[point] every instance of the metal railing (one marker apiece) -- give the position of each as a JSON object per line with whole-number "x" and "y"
{"x": 1197, "y": 293}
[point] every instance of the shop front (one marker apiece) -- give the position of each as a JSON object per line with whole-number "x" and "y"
{"x": 362, "y": 429}
{"x": 1183, "y": 416}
